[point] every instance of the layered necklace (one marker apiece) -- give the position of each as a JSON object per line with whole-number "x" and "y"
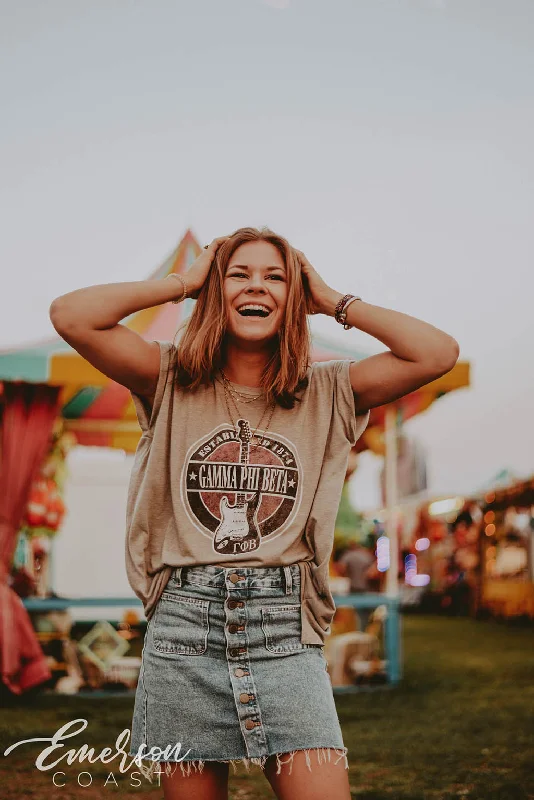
{"x": 233, "y": 394}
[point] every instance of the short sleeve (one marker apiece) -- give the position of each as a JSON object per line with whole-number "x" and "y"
{"x": 145, "y": 414}
{"x": 355, "y": 424}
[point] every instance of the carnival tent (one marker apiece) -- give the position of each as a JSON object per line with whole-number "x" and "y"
{"x": 100, "y": 412}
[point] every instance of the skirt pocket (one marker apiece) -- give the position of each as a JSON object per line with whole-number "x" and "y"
{"x": 282, "y": 629}
{"x": 181, "y": 625}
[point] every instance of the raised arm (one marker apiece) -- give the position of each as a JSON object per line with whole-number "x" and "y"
{"x": 89, "y": 320}
{"x": 418, "y": 352}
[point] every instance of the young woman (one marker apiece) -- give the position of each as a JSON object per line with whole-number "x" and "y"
{"x": 232, "y": 501}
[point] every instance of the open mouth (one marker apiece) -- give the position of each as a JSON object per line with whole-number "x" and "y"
{"x": 253, "y": 310}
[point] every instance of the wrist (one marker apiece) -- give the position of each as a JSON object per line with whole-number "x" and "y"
{"x": 342, "y": 308}
{"x": 193, "y": 287}
{"x": 330, "y": 302}
{"x": 182, "y": 288}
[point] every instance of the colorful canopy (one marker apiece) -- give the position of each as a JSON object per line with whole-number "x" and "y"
{"x": 101, "y": 413}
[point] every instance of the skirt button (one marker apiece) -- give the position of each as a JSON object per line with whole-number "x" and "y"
{"x": 234, "y": 577}
{"x": 233, "y": 628}
{"x": 235, "y": 604}
{"x": 245, "y": 698}
{"x": 234, "y": 652}
{"x": 239, "y": 673}
{"x": 249, "y": 724}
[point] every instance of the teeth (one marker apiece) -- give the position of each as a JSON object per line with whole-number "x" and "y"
{"x": 254, "y": 307}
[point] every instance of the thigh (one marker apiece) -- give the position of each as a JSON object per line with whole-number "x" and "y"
{"x": 314, "y": 774}
{"x": 182, "y": 784}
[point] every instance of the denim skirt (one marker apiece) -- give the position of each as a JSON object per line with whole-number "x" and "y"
{"x": 225, "y": 677}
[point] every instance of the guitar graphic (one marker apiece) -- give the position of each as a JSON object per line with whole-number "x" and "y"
{"x": 238, "y": 530}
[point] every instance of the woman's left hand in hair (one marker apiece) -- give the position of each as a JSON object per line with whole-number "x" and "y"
{"x": 321, "y": 298}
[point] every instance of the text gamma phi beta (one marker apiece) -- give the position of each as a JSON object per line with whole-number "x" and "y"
{"x": 257, "y": 498}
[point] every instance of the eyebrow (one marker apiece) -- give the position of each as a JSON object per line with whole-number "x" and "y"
{"x": 245, "y": 266}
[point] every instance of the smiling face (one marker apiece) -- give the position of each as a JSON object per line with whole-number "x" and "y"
{"x": 255, "y": 291}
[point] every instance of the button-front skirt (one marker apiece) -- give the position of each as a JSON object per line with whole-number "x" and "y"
{"x": 225, "y": 677}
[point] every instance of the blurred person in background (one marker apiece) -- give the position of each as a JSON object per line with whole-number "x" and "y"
{"x": 356, "y": 564}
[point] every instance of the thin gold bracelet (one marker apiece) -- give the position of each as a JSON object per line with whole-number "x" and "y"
{"x": 184, "y": 286}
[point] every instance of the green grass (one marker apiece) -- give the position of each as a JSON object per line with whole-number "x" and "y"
{"x": 460, "y": 725}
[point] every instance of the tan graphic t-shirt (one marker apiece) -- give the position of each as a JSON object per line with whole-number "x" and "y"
{"x": 201, "y": 492}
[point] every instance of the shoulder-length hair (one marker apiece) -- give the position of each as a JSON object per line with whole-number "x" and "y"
{"x": 201, "y": 350}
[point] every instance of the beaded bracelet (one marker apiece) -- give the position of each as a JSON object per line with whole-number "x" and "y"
{"x": 184, "y": 286}
{"x": 340, "y": 313}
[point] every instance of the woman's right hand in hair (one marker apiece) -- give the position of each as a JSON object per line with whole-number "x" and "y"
{"x": 197, "y": 273}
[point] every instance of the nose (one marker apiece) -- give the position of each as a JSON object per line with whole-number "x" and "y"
{"x": 255, "y": 285}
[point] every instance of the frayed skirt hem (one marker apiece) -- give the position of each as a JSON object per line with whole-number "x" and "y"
{"x": 149, "y": 767}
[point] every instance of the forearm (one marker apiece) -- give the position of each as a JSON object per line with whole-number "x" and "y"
{"x": 103, "y": 306}
{"x": 407, "y": 337}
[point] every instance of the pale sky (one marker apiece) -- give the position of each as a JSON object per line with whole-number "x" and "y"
{"x": 391, "y": 140}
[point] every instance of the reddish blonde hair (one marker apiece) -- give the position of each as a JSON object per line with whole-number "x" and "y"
{"x": 202, "y": 345}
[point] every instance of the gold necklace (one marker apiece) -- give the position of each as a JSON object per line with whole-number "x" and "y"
{"x": 242, "y": 396}
{"x": 254, "y": 434}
